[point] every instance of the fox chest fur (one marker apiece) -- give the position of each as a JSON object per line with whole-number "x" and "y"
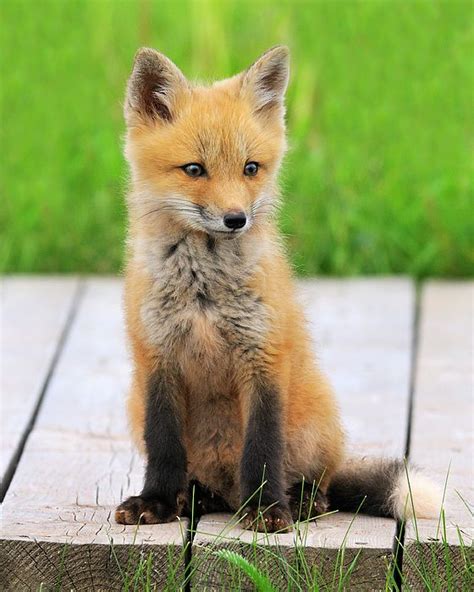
{"x": 207, "y": 323}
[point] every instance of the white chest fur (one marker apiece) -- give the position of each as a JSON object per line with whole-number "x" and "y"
{"x": 201, "y": 310}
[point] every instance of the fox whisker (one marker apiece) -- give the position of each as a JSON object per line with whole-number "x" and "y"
{"x": 176, "y": 205}
{"x": 264, "y": 205}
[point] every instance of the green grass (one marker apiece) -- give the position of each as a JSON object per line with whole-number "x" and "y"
{"x": 379, "y": 176}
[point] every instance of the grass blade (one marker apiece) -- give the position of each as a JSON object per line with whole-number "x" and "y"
{"x": 262, "y": 583}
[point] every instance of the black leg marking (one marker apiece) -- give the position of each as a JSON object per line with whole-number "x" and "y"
{"x": 261, "y": 464}
{"x": 165, "y": 491}
{"x": 166, "y": 470}
{"x": 307, "y": 501}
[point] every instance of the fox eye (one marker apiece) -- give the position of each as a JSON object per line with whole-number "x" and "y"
{"x": 251, "y": 169}
{"x": 194, "y": 169}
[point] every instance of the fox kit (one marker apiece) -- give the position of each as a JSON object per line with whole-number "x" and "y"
{"x": 226, "y": 398}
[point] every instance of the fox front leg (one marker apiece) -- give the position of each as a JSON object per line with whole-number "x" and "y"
{"x": 164, "y": 493}
{"x": 261, "y": 472}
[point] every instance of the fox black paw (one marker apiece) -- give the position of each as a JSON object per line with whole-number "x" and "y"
{"x": 137, "y": 509}
{"x": 272, "y": 519}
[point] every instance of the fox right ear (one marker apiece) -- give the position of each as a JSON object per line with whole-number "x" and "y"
{"x": 265, "y": 82}
{"x": 153, "y": 87}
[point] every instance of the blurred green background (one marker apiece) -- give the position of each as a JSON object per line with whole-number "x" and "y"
{"x": 380, "y": 116}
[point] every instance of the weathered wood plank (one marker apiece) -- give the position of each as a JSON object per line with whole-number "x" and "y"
{"x": 363, "y": 333}
{"x": 34, "y": 312}
{"x": 442, "y": 437}
{"x": 77, "y": 465}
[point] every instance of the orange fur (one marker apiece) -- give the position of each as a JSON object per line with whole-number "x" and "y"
{"x": 219, "y": 125}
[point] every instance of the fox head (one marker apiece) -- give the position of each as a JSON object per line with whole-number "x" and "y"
{"x": 205, "y": 158}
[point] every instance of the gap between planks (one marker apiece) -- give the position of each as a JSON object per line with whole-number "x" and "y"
{"x": 442, "y": 435}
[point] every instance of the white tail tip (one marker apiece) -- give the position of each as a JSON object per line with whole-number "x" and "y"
{"x": 416, "y": 495}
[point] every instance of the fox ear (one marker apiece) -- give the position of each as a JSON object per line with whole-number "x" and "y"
{"x": 265, "y": 82}
{"x": 153, "y": 87}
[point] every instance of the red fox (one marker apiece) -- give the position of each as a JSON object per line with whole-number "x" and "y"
{"x": 226, "y": 397}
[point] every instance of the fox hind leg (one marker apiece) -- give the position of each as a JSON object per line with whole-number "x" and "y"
{"x": 307, "y": 501}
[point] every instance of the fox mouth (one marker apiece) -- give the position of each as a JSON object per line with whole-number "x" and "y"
{"x": 229, "y": 234}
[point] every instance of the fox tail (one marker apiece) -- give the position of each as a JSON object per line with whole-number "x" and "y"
{"x": 384, "y": 487}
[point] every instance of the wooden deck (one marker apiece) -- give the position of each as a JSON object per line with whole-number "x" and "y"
{"x": 401, "y": 363}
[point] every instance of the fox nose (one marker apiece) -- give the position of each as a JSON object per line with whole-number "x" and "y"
{"x": 235, "y": 220}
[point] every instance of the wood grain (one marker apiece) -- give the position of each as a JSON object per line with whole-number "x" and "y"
{"x": 77, "y": 465}
{"x": 34, "y": 311}
{"x": 363, "y": 335}
{"x": 442, "y": 438}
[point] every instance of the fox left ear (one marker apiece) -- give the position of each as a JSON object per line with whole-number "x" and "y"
{"x": 265, "y": 82}
{"x": 153, "y": 87}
